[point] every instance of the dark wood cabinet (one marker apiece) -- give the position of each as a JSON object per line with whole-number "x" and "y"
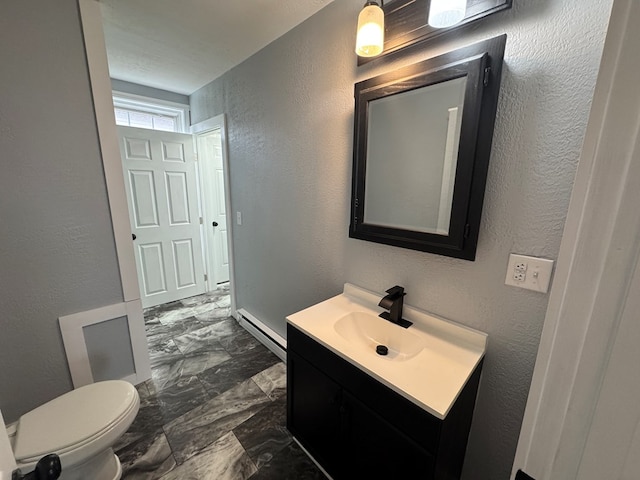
{"x": 356, "y": 427}
{"x": 314, "y": 410}
{"x": 376, "y": 449}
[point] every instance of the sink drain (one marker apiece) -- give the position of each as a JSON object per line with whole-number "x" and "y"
{"x": 382, "y": 350}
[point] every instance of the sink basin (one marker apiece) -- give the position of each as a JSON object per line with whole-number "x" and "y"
{"x": 427, "y": 363}
{"x": 368, "y": 331}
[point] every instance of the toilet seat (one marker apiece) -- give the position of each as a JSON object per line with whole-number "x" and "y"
{"x": 87, "y": 418}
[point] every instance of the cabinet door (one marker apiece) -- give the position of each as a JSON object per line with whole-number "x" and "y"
{"x": 314, "y": 402}
{"x": 378, "y": 450}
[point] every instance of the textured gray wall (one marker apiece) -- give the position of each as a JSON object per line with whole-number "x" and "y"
{"x": 57, "y": 252}
{"x": 290, "y": 120}
{"x": 135, "y": 89}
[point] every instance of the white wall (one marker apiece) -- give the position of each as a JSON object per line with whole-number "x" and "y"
{"x": 57, "y": 252}
{"x": 290, "y": 121}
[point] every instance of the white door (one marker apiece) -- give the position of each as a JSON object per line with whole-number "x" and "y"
{"x": 160, "y": 179}
{"x": 612, "y": 448}
{"x": 213, "y": 187}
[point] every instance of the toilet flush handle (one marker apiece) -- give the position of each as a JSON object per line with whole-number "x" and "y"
{"x": 47, "y": 468}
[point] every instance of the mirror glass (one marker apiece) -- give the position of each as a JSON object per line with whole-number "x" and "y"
{"x": 409, "y": 178}
{"x": 422, "y": 142}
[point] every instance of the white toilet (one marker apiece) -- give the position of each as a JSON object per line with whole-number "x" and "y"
{"x": 80, "y": 427}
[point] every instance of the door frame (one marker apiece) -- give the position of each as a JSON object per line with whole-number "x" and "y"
{"x": 91, "y": 23}
{"x": 594, "y": 274}
{"x": 218, "y": 122}
{"x": 93, "y": 34}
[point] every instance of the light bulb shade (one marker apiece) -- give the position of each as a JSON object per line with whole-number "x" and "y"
{"x": 446, "y": 13}
{"x": 370, "y": 39}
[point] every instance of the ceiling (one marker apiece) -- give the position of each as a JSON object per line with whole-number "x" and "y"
{"x": 181, "y": 45}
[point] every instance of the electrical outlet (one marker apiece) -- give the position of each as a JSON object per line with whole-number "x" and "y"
{"x": 532, "y": 273}
{"x": 519, "y": 276}
{"x": 239, "y": 218}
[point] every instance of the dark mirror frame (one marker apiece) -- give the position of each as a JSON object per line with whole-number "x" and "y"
{"x": 481, "y": 63}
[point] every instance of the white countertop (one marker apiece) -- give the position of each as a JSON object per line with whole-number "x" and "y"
{"x": 432, "y": 379}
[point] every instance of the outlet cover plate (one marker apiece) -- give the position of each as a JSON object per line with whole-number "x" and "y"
{"x": 532, "y": 273}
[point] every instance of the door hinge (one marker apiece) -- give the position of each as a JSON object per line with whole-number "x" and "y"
{"x": 487, "y": 76}
{"x": 467, "y": 228}
{"x": 201, "y": 221}
{"x": 206, "y": 277}
{"x": 195, "y": 156}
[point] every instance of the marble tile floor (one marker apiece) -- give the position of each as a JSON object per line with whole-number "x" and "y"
{"x": 215, "y": 407}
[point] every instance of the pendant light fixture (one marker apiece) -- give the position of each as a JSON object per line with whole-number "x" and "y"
{"x": 446, "y": 13}
{"x": 370, "y": 39}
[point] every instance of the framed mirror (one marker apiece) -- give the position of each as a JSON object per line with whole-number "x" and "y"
{"x": 422, "y": 142}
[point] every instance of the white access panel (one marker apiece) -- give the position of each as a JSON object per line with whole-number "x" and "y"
{"x": 160, "y": 179}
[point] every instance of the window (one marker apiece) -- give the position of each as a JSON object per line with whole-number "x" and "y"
{"x": 136, "y": 118}
{"x": 143, "y": 112}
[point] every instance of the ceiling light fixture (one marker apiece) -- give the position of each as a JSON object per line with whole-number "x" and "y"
{"x": 446, "y": 13}
{"x": 370, "y": 39}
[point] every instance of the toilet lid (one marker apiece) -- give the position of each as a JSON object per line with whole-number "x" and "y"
{"x": 73, "y": 418}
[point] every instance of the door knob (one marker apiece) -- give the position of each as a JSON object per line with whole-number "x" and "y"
{"x": 133, "y": 236}
{"x": 215, "y": 224}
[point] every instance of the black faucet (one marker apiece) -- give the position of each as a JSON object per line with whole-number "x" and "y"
{"x": 393, "y": 302}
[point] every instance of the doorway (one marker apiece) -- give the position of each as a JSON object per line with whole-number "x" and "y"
{"x": 214, "y": 212}
{"x": 177, "y": 197}
{"x": 101, "y": 89}
{"x": 215, "y": 183}
{"x": 162, "y": 195}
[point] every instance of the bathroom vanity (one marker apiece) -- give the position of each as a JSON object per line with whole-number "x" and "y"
{"x": 364, "y": 415}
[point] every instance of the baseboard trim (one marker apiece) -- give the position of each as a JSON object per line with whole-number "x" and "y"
{"x": 270, "y": 339}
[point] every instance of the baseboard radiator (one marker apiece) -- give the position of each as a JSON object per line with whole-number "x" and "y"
{"x": 270, "y": 339}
